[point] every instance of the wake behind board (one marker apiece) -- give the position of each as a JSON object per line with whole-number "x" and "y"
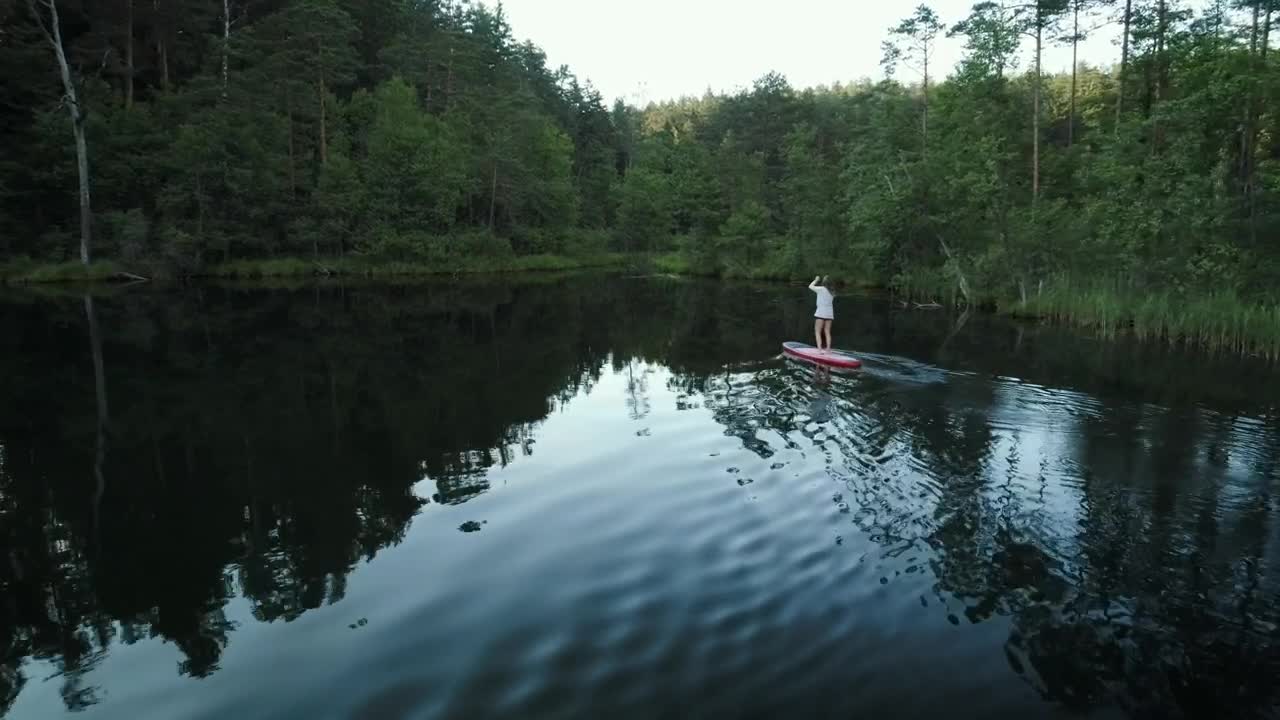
{"x": 809, "y": 353}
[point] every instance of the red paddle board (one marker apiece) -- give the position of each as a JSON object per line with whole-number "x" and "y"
{"x": 809, "y": 353}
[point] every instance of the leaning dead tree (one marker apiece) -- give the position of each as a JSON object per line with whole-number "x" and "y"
{"x": 45, "y": 13}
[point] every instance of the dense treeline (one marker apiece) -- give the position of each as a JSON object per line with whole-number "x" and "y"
{"x": 251, "y": 128}
{"x": 1160, "y": 171}
{"x": 421, "y": 129}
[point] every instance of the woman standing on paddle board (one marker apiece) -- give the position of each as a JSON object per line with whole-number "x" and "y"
{"x": 825, "y": 313}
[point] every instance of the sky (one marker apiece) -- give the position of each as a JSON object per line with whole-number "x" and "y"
{"x": 663, "y": 49}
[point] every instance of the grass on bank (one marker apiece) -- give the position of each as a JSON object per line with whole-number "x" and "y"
{"x": 1215, "y": 321}
{"x": 368, "y": 267}
{"x": 26, "y": 272}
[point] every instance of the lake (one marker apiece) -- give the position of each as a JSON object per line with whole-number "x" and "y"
{"x": 601, "y": 496}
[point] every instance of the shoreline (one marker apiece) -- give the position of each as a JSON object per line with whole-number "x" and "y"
{"x": 110, "y": 272}
{"x": 1219, "y": 322}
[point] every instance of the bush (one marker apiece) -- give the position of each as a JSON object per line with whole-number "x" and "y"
{"x": 126, "y": 233}
{"x": 182, "y": 252}
{"x": 479, "y": 243}
{"x": 586, "y": 243}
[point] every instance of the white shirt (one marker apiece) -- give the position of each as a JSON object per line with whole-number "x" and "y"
{"x": 826, "y": 303}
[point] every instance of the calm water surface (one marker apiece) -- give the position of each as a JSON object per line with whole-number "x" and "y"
{"x": 608, "y": 497}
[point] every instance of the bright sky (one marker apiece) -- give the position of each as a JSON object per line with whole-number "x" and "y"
{"x": 661, "y": 49}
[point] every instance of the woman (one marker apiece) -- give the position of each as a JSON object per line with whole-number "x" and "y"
{"x": 825, "y": 313}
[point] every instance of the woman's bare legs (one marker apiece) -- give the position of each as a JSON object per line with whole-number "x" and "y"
{"x": 817, "y": 332}
{"x": 826, "y": 328}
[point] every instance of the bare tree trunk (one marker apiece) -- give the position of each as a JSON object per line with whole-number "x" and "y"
{"x": 1124, "y": 62}
{"x": 1161, "y": 72}
{"x": 162, "y": 49}
{"x": 128, "y": 55}
{"x": 1035, "y": 120}
{"x": 493, "y": 195}
{"x": 1161, "y": 67}
{"x": 1254, "y": 127}
{"x": 226, "y": 43}
{"x": 199, "y": 206}
{"x": 293, "y": 174}
{"x": 924, "y": 119}
{"x": 164, "y": 66}
{"x": 1266, "y": 40}
{"x": 82, "y": 166}
{"x": 53, "y": 33}
{"x": 1246, "y": 134}
{"x": 448, "y": 80}
{"x": 324, "y": 135}
{"x": 426, "y": 103}
{"x": 1075, "y": 65}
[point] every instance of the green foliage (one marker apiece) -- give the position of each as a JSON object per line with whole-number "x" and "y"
{"x": 128, "y": 233}
{"x": 340, "y": 127}
{"x": 415, "y": 173}
{"x": 743, "y": 237}
{"x": 644, "y": 211}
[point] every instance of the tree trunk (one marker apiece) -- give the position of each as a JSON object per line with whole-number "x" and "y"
{"x": 924, "y": 119}
{"x": 226, "y": 43}
{"x": 426, "y": 102}
{"x": 1266, "y": 40}
{"x": 1075, "y": 63}
{"x": 448, "y": 81}
{"x": 493, "y": 195}
{"x": 1124, "y": 62}
{"x": 82, "y": 166}
{"x": 128, "y": 55}
{"x": 1035, "y": 119}
{"x": 164, "y": 66}
{"x": 324, "y": 134}
{"x": 293, "y": 174}
{"x": 1161, "y": 68}
{"x": 1246, "y": 134}
{"x": 1254, "y": 126}
{"x": 1161, "y": 72}
{"x": 53, "y": 33}
{"x": 162, "y": 50}
{"x": 199, "y": 206}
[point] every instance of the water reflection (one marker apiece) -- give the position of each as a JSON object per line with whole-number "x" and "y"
{"x": 1112, "y": 502}
{"x": 1129, "y": 543}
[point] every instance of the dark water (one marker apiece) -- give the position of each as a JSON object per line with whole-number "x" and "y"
{"x": 597, "y": 497}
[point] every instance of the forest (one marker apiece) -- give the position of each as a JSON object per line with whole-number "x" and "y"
{"x": 189, "y": 137}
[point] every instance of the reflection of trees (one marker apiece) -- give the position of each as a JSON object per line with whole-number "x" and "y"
{"x": 263, "y": 443}
{"x": 1144, "y": 584}
{"x": 260, "y": 443}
